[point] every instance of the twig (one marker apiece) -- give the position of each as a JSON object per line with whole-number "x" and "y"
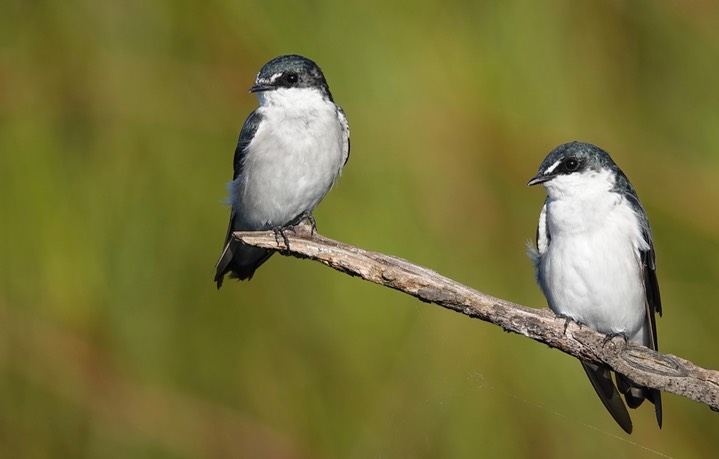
{"x": 644, "y": 366}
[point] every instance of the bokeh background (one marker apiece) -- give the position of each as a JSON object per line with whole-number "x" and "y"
{"x": 118, "y": 122}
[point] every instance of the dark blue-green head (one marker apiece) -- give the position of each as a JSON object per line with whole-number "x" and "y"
{"x": 573, "y": 158}
{"x": 291, "y": 71}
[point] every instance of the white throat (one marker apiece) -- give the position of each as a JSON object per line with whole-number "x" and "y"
{"x": 293, "y": 101}
{"x": 583, "y": 185}
{"x": 585, "y": 203}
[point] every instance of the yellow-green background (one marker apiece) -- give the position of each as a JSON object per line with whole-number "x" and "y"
{"x": 118, "y": 122}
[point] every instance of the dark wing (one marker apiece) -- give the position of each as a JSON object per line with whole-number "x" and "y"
{"x": 653, "y": 303}
{"x": 246, "y": 135}
{"x": 345, "y": 134}
{"x": 649, "y": 265}
{"x": 651, "y": 289}
{"x": 232, "y": 253}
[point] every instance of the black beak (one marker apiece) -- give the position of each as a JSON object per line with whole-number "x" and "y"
{"x": 539, "y": 178}
{"x": 260, "y": 88}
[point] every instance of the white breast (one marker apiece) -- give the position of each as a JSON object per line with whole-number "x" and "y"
{"x": 591, "y": 269}
{"x": 293, "y": 160}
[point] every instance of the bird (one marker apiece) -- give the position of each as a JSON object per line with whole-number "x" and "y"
{"x": 290, "y": 152}
{"x": 595, "y": 262}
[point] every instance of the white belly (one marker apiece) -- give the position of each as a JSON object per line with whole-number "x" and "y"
{"x": 591, "y": 269}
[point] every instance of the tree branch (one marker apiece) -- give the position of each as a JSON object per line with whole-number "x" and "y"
{"x": 644, "y": 366}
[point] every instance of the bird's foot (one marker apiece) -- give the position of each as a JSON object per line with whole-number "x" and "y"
{"x": 567, "y": 320}
{"x": 611, "y": 336}
{"x": 280, "y": 231}
{"x": 307, "y": 215}
{"x": 313, "y": 223}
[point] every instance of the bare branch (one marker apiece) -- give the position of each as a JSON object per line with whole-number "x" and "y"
{"x": 644, "y": 366}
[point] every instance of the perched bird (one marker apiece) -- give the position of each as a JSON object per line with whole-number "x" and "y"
{"x": 594, "y": 261}
{"x": 290, "y": 152}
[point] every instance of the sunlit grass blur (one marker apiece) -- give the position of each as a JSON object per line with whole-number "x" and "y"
{"x": 118, "y": 121}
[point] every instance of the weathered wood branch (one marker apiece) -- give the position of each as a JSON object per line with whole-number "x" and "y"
{"x": 644, "y": 366}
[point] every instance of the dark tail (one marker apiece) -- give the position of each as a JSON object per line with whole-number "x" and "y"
{"x": 601, "y": 379}
{"x": 635, "y": 395}
{"x": 239, "y": 260}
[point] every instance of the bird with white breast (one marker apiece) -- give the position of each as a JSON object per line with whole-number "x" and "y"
{"x": 291, "y": 151}
{"x": 595, "y": 261}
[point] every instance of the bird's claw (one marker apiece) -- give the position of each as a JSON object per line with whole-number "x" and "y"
{"x": 280, "y": 231}
{"x": 610, "y": 336}
{"x": 567, "y": 321}
{"x": 311, "y": 218}
{"x": 307, "y": 216}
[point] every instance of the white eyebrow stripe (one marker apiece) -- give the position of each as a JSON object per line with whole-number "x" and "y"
{"x": 552, "y": 167}
{"x": 275, "y": 76}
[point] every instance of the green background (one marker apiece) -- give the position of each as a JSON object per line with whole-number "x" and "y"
{"x": 118, "y": 122}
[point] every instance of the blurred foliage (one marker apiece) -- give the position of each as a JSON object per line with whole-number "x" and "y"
{"x": 118, "y": 121}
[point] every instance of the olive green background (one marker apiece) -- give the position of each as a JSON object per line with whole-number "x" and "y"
{"x": 118, "y": 122}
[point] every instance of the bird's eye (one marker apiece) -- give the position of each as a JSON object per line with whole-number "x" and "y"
{"x": 292, "y": 78}
{"x": 571, "y": 164}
